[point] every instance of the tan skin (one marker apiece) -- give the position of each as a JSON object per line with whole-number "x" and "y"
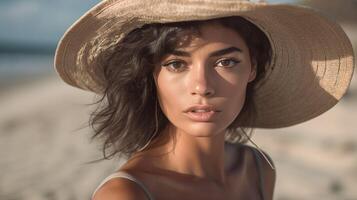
{"x": 196, "y": 166}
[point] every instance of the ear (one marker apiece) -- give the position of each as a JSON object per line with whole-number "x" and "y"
{"x": 253, "y": 71}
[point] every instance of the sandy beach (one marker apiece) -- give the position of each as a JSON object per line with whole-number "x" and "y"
{"x": 45, "y": 147}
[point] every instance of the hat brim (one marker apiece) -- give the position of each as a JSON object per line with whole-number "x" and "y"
{"x": 312, "y": 58}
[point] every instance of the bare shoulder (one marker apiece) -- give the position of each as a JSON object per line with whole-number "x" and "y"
{"x": 269, "y": 174}
{"x": 120, "y": 189}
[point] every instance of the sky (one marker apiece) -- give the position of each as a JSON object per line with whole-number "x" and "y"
{"x": 42, "y": 22}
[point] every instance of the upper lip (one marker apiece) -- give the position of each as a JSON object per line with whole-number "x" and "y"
{"x": 202, "y": 107}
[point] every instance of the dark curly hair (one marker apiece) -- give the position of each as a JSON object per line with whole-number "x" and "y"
{"x": 125, "y": 119}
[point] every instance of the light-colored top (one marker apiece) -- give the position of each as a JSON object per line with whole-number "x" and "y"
{"x": 122, "y": 174}
{"x": 125, "y": 175}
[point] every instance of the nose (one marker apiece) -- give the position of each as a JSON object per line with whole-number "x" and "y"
{"x": 201, "y": 82}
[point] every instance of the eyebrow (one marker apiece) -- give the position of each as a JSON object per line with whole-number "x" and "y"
{"x": 213, "y": 54}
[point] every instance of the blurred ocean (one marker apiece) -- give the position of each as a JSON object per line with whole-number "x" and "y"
{"x": 30, "y": 30}
{"x": 23, "y": 68}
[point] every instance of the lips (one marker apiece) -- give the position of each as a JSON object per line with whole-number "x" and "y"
{"x": 202, "y": 113}
{"x": 201, "y": 108}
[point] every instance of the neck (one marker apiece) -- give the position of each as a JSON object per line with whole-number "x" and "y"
{"x": 201, "y": 157}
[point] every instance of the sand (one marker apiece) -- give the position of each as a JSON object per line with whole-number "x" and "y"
{"x": 42, "y": 154}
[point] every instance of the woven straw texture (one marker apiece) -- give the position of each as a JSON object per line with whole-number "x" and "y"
{"x": 312, "y": 58}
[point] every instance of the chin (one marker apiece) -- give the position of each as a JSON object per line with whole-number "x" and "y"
{"x": 204, "y": 129}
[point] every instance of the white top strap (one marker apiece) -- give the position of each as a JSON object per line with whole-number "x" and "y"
{"x": 126, "y": 175}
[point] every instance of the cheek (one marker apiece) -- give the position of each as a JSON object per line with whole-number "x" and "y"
{"x": 170, "y": 90}
{"x": 233, "y": 89}
{"x": 235, "y": 101}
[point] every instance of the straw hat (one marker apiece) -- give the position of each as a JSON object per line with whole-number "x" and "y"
{"x": 312, "y": 58}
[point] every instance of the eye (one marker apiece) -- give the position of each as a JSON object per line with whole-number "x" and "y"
{"x": 175, "y": 66}
{"x": 227, "y": 62}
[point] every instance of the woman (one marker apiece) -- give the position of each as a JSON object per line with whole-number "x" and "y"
{"x": 179, "y": 78}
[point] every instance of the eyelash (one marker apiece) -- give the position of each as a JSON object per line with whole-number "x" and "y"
{"x": 167, "y": 65}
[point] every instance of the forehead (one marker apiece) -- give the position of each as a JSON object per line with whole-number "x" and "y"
{"x": 214, "y": 33}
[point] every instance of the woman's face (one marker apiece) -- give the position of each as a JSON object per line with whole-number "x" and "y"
{"x": 202, "y": 86}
